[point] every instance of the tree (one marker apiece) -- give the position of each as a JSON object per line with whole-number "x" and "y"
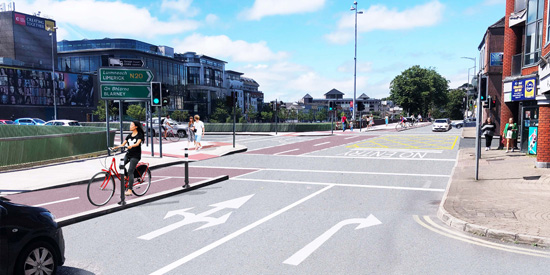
{"x": 455, "y": 104}
{"x": 322, "y": 114}
{"x": 136, "y": 112}
{"x": 419, "y": 90}
{"x": 221, "y": 112}
{"x": 180, "y": 116}
{"x": 252, "y": 114}
{"x": 266, "y": 116}
{"x": 100, "y": 111}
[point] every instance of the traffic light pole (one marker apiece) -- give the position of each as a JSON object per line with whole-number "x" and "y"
{"x": 234, "y": 117}
{"x": 107, "y": 121}
{"x": 478, "y": 134}
{"x": 332, "y": 123}
{"x": 120, "y": 103}
{"x": 150, "y": 128}
{"x": 159, "y": 111}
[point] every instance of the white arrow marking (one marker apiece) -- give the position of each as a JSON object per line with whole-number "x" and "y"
{"x": 189, "y": 218}
{"x": 303, "y": 253}
{"x": 149, "y": 76}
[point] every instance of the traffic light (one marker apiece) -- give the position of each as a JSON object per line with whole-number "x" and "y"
{"x": 331, "y": 106}
{"x": 492, "y": 103}
{"x": 156, "y": 94}
{"x": 483, "y": 86}
{"x": 165, "y": 95}
{"x": 230, "y": 100}
{"x": 274, "y": 105}
{"x": 360, "y": 106}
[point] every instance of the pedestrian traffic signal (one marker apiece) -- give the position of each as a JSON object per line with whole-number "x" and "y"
{"x": 360, "y": 106}
{"x": 165, "y": 95}
{"x": 483, "y": 86}
{"x": 230, "y": 100}
{"x": 331, "y": 106}
{"x": 156, "y": 94}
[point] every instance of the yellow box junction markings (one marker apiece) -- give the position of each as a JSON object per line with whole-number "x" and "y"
{"x": 409, "y": 142}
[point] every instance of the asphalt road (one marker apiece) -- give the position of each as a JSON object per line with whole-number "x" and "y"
{"x": 354, "y": 203}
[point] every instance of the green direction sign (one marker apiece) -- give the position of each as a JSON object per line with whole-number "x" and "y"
{"x": 125, "y": 92}
{"x": 108, "y": 75}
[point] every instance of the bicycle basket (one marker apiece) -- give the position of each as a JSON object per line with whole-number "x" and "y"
{"x": 140, "y": 169}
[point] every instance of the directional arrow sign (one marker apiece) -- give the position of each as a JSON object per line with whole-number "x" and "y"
{"x": 189, "y": 218}
{"x": 110, "y": 75}
{"x": 303, "y": 253}
{"x": 124, "y": 92}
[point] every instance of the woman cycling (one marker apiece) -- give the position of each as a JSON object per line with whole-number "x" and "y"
{"x": 190, "y": 131}
{"x": 133, "y": 155}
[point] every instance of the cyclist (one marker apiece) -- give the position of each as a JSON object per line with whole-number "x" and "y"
{"x": 165, "y": 125}
{"x": 133, "y": 156}
{"x": 402, "y": 120}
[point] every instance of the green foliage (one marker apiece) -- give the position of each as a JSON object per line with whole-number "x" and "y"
{"x": 419, "y": 90}
{"x": 136, "y": 111}
{"x": 242, "y": 120}
{"x": 100, "y": 111}
{"x": 221, "y": 113}
{"x": 266, "y": 116}
{"x": 181, "y": 116}
{"x": 252, "y": 114}
{"x": 321, "y": 115}
{"x": 454, "y": 108}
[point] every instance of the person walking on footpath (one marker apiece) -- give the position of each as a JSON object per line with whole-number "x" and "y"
{"x": 199, "y": 132}
{"x": 190, "y": 132}
{"x": 510, "y": 133}
{"x": 419, "y": 117}
{"x": 344, "y": 122}
{"x": 386, "y": 121}
{"x": 488, "y": 129}
{"x": 133, "y": 156}
{"x": 351, "y": 125}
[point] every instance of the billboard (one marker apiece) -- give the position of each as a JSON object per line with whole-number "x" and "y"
{"x": 35, "y": 87}
{"x": 33, "y": 21}
{"x": 524, "y": 89}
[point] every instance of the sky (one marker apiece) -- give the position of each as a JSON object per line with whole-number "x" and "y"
{"x": 295, "y": 47}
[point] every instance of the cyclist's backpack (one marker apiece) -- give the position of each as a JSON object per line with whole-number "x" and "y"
{"x": 140, "y": 169}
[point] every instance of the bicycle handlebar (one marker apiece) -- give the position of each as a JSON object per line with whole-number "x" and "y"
{"x": 113, "y": 149}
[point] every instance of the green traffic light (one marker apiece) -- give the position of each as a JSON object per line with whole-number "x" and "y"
{"x": 156, "y": 101}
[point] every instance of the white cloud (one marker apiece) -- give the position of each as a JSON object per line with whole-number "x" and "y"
{"x": 182, "y": 7}
{"x": 222, "y": 47}
{"x": 211, "y": 19}
{"x": 116, "y": 18}
{"x": 262, "y": 8}
{"x": 380, "y": 17}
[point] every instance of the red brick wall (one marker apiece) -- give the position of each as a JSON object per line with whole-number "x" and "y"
{"x": 510, "y": 48}
{"x": 529, "y": 70}
{"x": 543, "y": 140}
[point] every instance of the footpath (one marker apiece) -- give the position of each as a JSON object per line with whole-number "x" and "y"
{"x": 509, "y": 202}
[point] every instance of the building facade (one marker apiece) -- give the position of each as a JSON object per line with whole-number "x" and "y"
{"x": 371, "y": 104}
{"x": 526, "y": 84}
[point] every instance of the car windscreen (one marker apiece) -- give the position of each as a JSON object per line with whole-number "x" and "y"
{"x": 39, "y": 121}
{"x": 8, "y": 122}
{"x": 440, "y": 121}
{"x": 74, "y": 123}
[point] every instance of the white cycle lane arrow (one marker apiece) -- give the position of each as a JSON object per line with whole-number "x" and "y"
{"x": 303, "y": 253}
{"x": 189, "y": 218}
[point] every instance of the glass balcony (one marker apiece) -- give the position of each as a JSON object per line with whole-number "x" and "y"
{"x": 516, "y": 65}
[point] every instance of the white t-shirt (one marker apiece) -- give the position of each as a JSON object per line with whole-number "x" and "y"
{"x": 199, "y": 126}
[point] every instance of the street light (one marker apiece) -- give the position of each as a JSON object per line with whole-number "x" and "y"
{"x": 354, "y": 8}
{"x": 478, "y": 121}
{"x": 52, "y": 30}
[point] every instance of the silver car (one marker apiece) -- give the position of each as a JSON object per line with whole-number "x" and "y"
{"x": 180, "y": 128}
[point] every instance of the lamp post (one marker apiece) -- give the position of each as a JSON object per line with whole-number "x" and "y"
{"x": 52, "y": 30}
{"x": 478, "y": 121}
{"x": 354, "y": 8}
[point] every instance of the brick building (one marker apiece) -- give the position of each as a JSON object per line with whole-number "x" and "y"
{"x": 526, "y": 84}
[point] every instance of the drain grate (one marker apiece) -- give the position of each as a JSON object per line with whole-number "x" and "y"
{"x": 531, "y": 178}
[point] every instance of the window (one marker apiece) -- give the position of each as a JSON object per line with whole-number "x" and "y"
{"x": 533, "y": 32}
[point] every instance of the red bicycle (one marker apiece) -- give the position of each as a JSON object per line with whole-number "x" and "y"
{"x": 101, "y": 187}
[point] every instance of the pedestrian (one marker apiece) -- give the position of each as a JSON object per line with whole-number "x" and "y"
{"x": 371, "y": 121}
{"x": 190, "y": 132}
{"x": 488, "y": 129}
{"x": 133, "y": 156}
{"x": 510, "y": 133}
{"x": 344, "y": 121}
{"x": 199, "y": 132}
{"x": 419, "y": 117}
{"x": 386, "y": 121}
{"x": 351, "y": 125}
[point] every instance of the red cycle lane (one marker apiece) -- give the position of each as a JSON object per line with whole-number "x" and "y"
{"x": 71, "y": 200}
{"x": 310, "y": 146}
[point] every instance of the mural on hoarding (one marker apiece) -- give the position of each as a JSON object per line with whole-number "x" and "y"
{"x": 35, "y": 87}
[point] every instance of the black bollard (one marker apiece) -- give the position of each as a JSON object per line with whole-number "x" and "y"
{"x": 186, "y": 169}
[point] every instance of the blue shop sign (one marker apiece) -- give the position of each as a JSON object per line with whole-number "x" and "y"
{"x": 524, "y": 89}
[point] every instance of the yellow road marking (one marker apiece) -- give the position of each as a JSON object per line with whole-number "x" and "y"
{"x": 408, "y": 142}
{"x": 440, "y": 230}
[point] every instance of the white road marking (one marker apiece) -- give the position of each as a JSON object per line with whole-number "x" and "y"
{"x": 277, "y": 145}
{"x": 431, "y": 151}
{"x": 235, "y": 234}
{"x": 335, "y": 172}
{"x": 476, "y": 241}
{"x": 303, "y": 253}
{"x": 344, "y": 185}
{"x": 352, "y": 137}
{"x": 319, "y": 144}
{"x": 355, "y": 157}
{"x": 54, "y": 202}
{"x": 276, "y": 154}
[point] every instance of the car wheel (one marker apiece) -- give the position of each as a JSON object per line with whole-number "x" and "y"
{"x": 458, "y": 126}
{"x": 181, "y": 134}
{"x": 37, "y": 258}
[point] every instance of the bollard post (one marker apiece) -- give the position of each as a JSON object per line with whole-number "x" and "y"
{"x": 186, "y": 169}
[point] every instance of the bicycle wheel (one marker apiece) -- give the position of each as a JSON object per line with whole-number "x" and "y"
{"x": 101, "y": 188}
{"x": 141, "y": 187}
{"x": 174, "y": 137}
{"x": 397, "y": 126}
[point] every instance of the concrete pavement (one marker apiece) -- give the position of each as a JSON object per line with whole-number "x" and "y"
{"x": 509, "y": 202}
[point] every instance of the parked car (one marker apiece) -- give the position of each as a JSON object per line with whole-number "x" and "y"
{"x": 62, "y": 122}
{"x": 180, "y": 128}
{"x": 470, "y": 122}
{"x": 442, "y": 124}
{"x": 458, "y": 124}
{"x": 29, "y": 121}
{"x": 29, "y": 239}
{"x": 6, "y": 121}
